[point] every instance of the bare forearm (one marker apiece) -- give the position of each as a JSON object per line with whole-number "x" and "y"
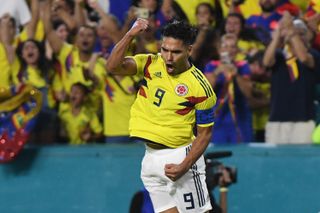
{"x": 69, "y": 20}
{"x": 117, "y": 63}
{"x": 269, "y": 55}
{"x": 198, "y": 43}
{"x": 6, "y": 40}
{"x": 199, "y": 146}
{"x": 79, "y": 14}
{"x": 54, "y": 41}
{"x": 301, "y": 51}
{"x": 10, "y": 52}
{"x": 31, "y": 26}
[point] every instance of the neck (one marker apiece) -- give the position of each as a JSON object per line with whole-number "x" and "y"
{"x": 34, "y": 65}
{"x": 75, "y": 109}
{"x": 185, "y": 68}
{"x": 84, "y": 56}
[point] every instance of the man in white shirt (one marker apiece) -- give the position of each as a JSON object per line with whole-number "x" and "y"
{"x": 18, "y": 9}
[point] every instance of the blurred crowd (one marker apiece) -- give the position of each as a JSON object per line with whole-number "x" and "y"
{"x": 260, "y": 56}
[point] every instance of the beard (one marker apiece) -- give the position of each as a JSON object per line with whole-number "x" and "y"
{"x": 268, "y": 8}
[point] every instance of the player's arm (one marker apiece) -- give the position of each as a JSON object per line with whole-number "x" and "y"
{"x": 199, "y": 145}
{"x": 117, "y": 62}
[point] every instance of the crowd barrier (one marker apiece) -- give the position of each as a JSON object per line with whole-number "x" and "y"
{"x": 103, "y": 179}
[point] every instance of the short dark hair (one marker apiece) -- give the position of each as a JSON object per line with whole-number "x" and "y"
{"x": 83, "y": 87}
{"x": 57, "y": 23}
{"x": 180, "y": 30}
{"x": 92, "y": 28}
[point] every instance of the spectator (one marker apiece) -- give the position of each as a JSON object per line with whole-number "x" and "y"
{"x": 294, "y": 76}
{"x": 108, "y": 30}
{"x": 18, "y": 9}
{"x": 231, "y": 81}
{"x": 147, "y": 41}
{"x": 7, "y": 51}
{"x": 74, "y": 59}
{"x": 260, "y": 99}
{"x": 248, "y": 41}
{"x": 187, "y": 12}
{"x": 34, "y": 69}
{"x": 70, "y": 12}
{"x": 80, "y": 124}
{"x": 118, "y": 94}
{"x": 146, "y": 9}
{"x": 209, "y": 23}
{"x": 267, "y": 21}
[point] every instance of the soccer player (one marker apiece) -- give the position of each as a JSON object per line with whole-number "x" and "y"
{"x": 174, "y": 98}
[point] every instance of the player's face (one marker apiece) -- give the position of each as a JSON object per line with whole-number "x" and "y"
{"x": 175, "y": 54}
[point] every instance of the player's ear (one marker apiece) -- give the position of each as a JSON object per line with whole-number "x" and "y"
{"x": 190, "y": 48}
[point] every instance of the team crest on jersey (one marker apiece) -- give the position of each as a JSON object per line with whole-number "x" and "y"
{"x": 181, "y": 89}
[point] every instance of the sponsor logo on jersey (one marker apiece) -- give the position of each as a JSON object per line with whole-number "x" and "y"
{"x": 181, "y": 89}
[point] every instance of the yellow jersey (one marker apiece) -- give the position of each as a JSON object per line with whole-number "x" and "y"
{"x": 75, "y": 124}
{"x": 5, "y": 73}
{"x": 118, "y": 95}
{"x": 71, "y": 71}
{"x": 167, "y": 108}
{"x": 71, "y": 67}
{"x": 29, "y": 75}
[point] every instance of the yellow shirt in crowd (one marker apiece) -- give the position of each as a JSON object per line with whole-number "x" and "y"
{"x": 75, "y": 124}
{"x": 118, "y": 96}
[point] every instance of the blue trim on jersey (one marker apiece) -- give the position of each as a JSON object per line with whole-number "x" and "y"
{"x": 204, "y": 116}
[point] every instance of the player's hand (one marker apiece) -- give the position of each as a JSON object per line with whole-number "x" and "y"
{"x": 140, "y": 25}
{"x": 174, "y": 171}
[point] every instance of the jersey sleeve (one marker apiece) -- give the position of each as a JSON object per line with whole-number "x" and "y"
{"x": 141, "y": 61}
{"x": 204, "y": 109}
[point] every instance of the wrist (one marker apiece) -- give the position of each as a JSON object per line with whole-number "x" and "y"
{"x": 223, "y": 189}
{"x": 290, "y": 35}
